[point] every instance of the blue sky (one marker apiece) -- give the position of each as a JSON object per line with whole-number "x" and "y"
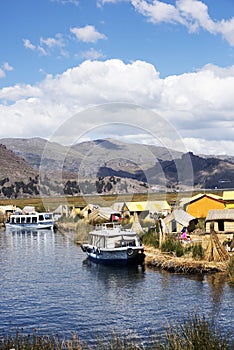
{"x": 61, "y": 57}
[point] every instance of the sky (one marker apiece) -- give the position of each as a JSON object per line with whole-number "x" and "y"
{"x": 146, "y": 71}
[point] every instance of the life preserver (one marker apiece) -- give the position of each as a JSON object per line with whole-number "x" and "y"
{"x": 83, "y": 248}
{"x": 130, "y": 252}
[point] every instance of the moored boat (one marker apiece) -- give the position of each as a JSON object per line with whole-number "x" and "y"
{"x": 110, "y": 243}
{"x": 32, "y": 221}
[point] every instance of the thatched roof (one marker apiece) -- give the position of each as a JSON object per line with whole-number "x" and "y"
{"x": 228, "y": 195}
{"x": 179, "y": 216}
{"x": 188, "y": 200}
{"x": 218, "y": 214}
{"x": 102, "y": 214}
{"x": 151, "y": 206}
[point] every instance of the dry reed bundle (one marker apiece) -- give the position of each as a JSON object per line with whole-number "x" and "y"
{"x": 215, "y": 251}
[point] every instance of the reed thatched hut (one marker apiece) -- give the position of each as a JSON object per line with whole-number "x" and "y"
{"x": 179, "y": 219}
{"x": 223, "y": 220}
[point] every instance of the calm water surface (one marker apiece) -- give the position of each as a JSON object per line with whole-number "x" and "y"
{"x": 47, "y": 284}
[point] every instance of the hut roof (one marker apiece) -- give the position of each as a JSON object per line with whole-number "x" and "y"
{"x": 218, "y": 214}
{"x": 118, "y": 206}
{"x": 185, "y": 201}
{"x": 151, "y": 206}
{"x": 136, "y": 206}
{"x": 179, "y": 216}
{"x": 228, "y": 195}
{"x": 103, "y": 213}
{"x": 29, "y": 209}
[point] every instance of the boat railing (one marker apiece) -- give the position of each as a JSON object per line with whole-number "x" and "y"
{"x": 108, "y": 226}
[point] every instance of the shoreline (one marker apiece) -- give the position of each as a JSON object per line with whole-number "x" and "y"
{"x": 154, "y": 258}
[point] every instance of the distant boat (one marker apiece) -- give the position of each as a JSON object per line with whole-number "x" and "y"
{"x": 110, "y": 243}
{"x": 31, "y": 221}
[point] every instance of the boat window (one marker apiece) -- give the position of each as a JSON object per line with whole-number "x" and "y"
{"x": 17, "y": 220}
{"x": 13, "y": 220}
{"x": 41, "y": 217}
{"x": 34, "y": 219}
{"x": 28, "y": 219}
{"x": 48, "y": 216}
{"x": 101, "y": 242}
{"x": 23, "y": 219}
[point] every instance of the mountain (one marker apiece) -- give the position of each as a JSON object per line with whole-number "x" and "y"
{"x": 108, "y": 166}
{"x": 17, "y": 177}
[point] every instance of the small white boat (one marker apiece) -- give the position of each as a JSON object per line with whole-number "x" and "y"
{"x": 110, "y": 244}
{"x": 31, "y": 221}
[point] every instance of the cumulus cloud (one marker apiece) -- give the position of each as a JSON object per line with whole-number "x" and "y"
{"x": 87, "y": 34}
{"x": 199, "y": 105}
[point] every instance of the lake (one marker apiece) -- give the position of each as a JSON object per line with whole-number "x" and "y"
{"x": 48, "y": 284}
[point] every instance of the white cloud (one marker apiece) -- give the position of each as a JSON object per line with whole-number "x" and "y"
{"x": 2, "y": 73}
{"x": 52, "y": 42}
{"x": 199, "y": 105}
{"x": 158, "y": 11}
{"x": 92, "y": 54}
{"x": 6, "y": 67}
{"x": 194, "y": 14}
{"x": 87, "y": 34}
{"x": 65, "y": 2}
{"x": 46, "y": 45}
{"x": 29, "y": 45}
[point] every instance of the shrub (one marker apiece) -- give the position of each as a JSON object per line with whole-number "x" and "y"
{"x": 195, "y": 333}
{"x": 150, "y": 238}
{"x": 171, "y": 245}
{"x": 197, "y": 251}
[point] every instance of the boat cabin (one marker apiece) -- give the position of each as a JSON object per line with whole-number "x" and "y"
{"x": 111, "y": 235}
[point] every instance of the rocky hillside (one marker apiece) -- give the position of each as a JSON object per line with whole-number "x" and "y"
{"x": 17, "y": 177}
{"x": 104, "y": 166}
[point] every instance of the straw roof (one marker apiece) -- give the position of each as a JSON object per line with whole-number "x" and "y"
{"x": 187, "y": 200}
{"x": 151, "y": 206}
{"x": 102, "y": 214}
{"x": 179, "y": 216}
{"x": 228, "y": 195}
{"x": 218, "y": 214}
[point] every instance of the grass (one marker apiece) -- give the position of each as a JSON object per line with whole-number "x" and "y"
{"x": 194, "y": 332}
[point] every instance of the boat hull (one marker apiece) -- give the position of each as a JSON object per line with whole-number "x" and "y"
{"x": 38, "y": 226}
{"x": 113, "y": 257}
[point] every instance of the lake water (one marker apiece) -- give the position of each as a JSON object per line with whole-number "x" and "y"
{"x": 47, "y": 284}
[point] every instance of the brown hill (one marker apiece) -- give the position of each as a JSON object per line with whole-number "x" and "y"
{"x": 104, "y": 166}
{"x": 17, "y": 177}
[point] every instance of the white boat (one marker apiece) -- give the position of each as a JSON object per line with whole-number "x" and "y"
{"x": 110, "y": 243}
{"x": 31, "y": 221}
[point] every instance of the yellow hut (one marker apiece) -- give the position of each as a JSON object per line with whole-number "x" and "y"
{"x": 228, "y": 198}
{"x": 199, "y": 205}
